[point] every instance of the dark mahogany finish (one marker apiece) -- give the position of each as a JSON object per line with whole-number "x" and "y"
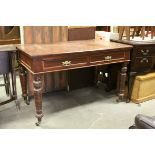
{"x": 40, "y": 59}
{"x": 142, "y": 59}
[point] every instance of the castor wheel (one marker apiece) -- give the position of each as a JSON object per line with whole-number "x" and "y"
{"x": 127, "y": 100}
{"x": 118, "y": 100}
{"x": 27, "y": 102}
{"x": 38, "y": 123}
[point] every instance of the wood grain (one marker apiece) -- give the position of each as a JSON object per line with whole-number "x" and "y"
{"x": 47, "y": 35}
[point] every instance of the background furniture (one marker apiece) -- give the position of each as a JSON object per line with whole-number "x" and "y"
{"x": 103, "y": 28}
{"x": 8, "y": 64}
{"x": 81, "y": 32}
{"x": 143, "y": 89}
{"x": 9, "y": 35}
{"x": 125, "y": 32}
{"x": 142, "y": 59}
{"x": 7, "y": 68}
{"x": 143, "y": 122}
{"x": 40, "y": 59}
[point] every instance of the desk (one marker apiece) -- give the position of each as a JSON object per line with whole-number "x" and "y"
{"x": 43, "y": 58}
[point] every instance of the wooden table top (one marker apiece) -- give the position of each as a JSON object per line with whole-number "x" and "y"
{"x": 7, "y": 48}
{"x": 34, "y": 50}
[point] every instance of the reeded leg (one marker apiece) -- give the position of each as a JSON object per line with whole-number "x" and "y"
{"x": 37, "y": 83}
{"x": 123, "y": 73}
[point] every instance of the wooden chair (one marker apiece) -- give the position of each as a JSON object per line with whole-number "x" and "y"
{"x": 7, "y": 70}
{"x": 137, "y": 31}
{"x": 123, "y": 29}
{"x": 9, "y": 35}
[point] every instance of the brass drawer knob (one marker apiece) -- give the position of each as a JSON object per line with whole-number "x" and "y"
{"x": 108, "y": 58}
{"x": 144, "y": 59}
{"x": 66, "y": 63}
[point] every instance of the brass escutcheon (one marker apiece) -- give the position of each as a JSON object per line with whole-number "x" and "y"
{"x": 108, "y": 58}
{"x": 66, "y": 63}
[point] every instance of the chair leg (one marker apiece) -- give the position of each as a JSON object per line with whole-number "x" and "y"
{"x": 143, "y": 32}
{"x": 6, "y": 84}
{"x": 14, "y": 90}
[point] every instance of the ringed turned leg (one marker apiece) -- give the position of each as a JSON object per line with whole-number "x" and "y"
{"x": 123, "y": 73}
{"x": 37, "y": 83}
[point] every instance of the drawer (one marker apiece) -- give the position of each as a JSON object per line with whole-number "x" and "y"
{"x": 141, "y": 64}
{"x": 62, "y": 62}
{"x": 106, "y": 57}
{"x": 144, "y": 51}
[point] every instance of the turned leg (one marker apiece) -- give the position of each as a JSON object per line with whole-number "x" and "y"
{"x": 123, "y": 73}
{"x": 23, "y": 81}
{"x": 5, "y": 76}
{"x": 37, "y": 83}
{"x": 8, "y": 84}
{"x": 13, "y": 76}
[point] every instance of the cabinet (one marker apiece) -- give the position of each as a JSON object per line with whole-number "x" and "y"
{"x": 142, "y": 59}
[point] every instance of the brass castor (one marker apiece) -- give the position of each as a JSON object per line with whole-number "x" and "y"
{"x": 27, "y": 102}
{"x": 38, "y": 123}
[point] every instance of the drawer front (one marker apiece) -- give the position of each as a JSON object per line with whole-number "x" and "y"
{"x": 144, "y": 51}
{"x": 107, "y": 57}
{"x": 63, "y": 62}
{"x": 141, "y": 64}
